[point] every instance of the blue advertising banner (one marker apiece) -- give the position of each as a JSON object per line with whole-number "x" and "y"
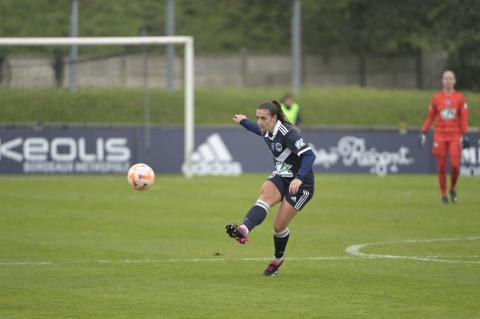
{"x": 66, "y": 150}
{"x": 218, "y": 151}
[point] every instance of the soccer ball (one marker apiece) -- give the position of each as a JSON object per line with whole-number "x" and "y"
{"x": 141, "y": 176}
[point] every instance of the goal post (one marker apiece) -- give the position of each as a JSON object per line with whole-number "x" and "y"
{"x": 187, "y": 41}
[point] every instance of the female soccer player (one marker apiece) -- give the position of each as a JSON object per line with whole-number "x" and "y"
{"x": 291, "y": 183}
{"x": 450, "y": 112}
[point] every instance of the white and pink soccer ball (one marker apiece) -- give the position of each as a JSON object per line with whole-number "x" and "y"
{"x": 141, "y": 176}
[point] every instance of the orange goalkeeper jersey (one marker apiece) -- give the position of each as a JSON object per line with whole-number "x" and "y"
{"x": 450, "y": 113}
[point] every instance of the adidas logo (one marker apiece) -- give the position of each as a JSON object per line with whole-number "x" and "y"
{"x": 294, "y": 198}
{"x": 213, "y": 158}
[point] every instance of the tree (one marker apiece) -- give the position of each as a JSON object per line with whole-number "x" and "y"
{"x": 458, "y": 32}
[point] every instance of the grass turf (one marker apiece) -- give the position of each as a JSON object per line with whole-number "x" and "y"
{"x": 112, "y": 252}
{"x": 320, "y": 106}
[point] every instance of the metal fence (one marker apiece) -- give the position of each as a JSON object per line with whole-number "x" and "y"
{"x": 126, "y": 69}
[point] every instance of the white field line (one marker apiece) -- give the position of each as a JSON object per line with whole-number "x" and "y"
{"x": 159, "y": 261}
{"x": 355, "y": 250}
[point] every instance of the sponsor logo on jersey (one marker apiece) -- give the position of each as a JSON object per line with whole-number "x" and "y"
{"x": 283, "y": 169}
{"x": 213, "y": 158}
{"x": 299, "y": 144}
{"x": 447, "y": 114}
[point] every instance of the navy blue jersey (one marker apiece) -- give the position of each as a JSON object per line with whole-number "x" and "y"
{"x": 292, "y": 157}
{"x": 286, "y": 146}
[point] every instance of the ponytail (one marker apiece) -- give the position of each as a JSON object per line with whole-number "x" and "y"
{"x": 275, "y": 108}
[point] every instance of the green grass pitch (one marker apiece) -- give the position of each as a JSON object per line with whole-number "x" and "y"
{"x": 91, "y": 247}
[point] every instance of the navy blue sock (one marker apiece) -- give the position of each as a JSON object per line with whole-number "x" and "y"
{"x": 280, "y": 241}
{"x": 256, "y": 215}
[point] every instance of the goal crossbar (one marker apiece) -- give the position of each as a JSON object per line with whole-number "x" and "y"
{"x": 147, "y": 40}
{"x": 96, "y": 41}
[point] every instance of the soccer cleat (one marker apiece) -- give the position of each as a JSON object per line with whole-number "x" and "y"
{"x": 235, "y": 231}
{"x": 444, "y": 200}
{"x": 453, "y": 196}
{"x": 272, "y": 269}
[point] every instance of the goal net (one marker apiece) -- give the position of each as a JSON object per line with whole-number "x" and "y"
{"x": 45, "y": 80}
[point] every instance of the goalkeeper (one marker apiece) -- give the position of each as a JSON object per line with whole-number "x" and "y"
{"x": 449, "y": 110}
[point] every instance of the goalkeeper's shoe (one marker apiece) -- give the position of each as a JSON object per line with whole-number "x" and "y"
{"x": 444, "y": 199}
{"x": 272, "y": 269}
{"x": 453, "y": 197}
{"x": 237, "y": 232}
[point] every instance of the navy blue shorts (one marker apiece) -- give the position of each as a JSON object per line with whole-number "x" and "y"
{"x": 298, "y": 200}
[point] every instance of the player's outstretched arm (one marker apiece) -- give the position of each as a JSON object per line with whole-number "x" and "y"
{"x": 237, "y": 118}
{"x": 246, "y": 123}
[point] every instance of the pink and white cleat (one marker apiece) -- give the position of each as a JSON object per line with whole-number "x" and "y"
{"x": 272, "y": 269}
{"x": 237, "y": 232}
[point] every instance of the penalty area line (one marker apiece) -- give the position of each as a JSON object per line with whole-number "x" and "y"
{"x": 355, "y": 250}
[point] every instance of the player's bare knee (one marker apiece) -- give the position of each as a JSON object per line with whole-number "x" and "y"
{"x": 279, "y": 227}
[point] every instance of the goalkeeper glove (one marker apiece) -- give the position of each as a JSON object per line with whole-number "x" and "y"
{"x": 422, "y": 138}
{"x": 465, "y": 142}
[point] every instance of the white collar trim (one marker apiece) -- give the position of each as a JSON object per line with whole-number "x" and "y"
{"x": 275, "y": 130}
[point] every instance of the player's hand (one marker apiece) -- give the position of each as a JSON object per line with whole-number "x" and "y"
{"x": 294, "y": 185}
{"x": 238, "y": 117}
{"x": 422, "y": 138}
{"x": 465, "y": 142}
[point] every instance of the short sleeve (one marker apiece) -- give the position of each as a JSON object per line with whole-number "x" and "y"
{"x": 296, "y": 143}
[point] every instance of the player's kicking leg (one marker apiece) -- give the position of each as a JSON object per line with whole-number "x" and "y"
{"x": 269, "y": 195}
